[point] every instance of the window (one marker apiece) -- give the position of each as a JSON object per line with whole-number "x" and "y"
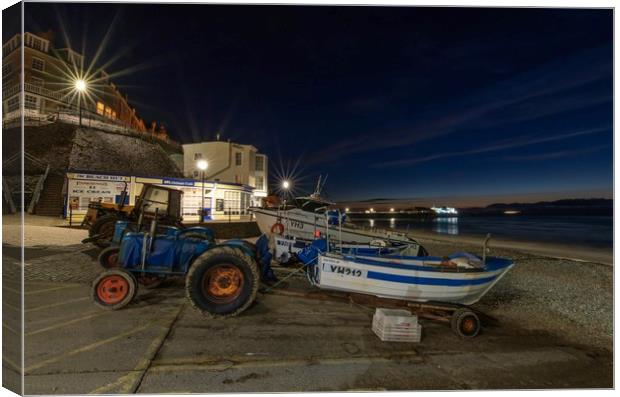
{"x": 238, "y": 158}
{"x": 197, "y": 156}
{"x": 108, "y": 111}
{"x": 38, "y": 64}
{"x": 196, "y": 174}
{"x": 6, "y": 69}
{"x": 100, "y": 108}
{"x": 36, "y": 81}
{"x": 260, "y": 163}
{"x": 113, "y": 114}
{"x": 31, "y": 102}
{"x": 13, "y": 103}
{"x": 37, "y": 44}
{"x": 260, "y": 183}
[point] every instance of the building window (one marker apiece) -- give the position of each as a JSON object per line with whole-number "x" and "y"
{"x": 31, "y": 102}
{"x": 6, "y": 69}
{"x": 36, "y": 81}
{"x": 197, "y": 156}
{"x": 108, "y": 111}
{"x": 13, "y": 103}
{"x": 100, "y": 108}
{"x": 260, "y": 163}
{"x": 38, "y": 64}
{"x": 238, "y": 158}
{"x": 260, "y": 183}
{"x": 113, "y": 114}
{"x": 37, "y": 44}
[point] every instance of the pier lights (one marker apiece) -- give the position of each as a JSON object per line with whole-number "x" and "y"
{"x": 346, "y": 209}
{"x": 202, "y": 165}
{"x": 80, "y": 86}
{"x": 391, "y": 209}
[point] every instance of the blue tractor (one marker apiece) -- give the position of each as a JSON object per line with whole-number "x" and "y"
{"x": 221, "y": 279}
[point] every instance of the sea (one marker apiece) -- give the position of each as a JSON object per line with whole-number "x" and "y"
{"x": 589, "y": 231}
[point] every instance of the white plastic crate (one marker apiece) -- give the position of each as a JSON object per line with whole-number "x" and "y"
{"x": 396, "y": 326}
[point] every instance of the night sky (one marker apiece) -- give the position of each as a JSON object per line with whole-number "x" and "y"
{"x": 390, "y": 102}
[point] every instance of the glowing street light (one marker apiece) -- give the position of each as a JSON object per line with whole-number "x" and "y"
{"x": 346, "y": 209}
{"x": 391, "y": 209}
{"x": 80, "y": 85}
{"x": 202, "y": 165}
{"x": 286, "y": 185}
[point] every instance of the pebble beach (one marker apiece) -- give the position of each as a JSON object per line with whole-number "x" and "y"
{"x": 570, "y": 298}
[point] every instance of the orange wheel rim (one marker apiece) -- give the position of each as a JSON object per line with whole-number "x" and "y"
{"x": 112, "y": 289}
{"x": 223, "y": 283}
{"x": 112, "y": 260}
{"x": 469, "y": 325}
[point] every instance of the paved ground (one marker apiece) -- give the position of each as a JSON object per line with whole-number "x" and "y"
{"x": 160, "y": 344}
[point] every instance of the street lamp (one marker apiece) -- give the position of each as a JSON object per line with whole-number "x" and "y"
{"x": 285, "y": 186}
{"x": 202, "y": 166}
{"x": 80, "y": 86}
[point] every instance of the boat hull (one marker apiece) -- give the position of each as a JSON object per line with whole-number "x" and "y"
{"x": 408, "y": 281}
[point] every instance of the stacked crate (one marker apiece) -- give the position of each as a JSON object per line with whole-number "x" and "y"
{"x": 392, "y": 325}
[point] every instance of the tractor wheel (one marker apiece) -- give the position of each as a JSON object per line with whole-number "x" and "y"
{"x": 108, "y": 258}
{"x": 196, "y": 235}
{"x": 222, "y": 282}
{"x": 114, "y": 289}
{"x": 104, "y": 227}
{"x": 465, "y": 323}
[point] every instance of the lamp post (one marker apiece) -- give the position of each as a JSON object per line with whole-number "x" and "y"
{"x": 285, "y": 186}
{"x": 80, "y": 86}
{"x": 202, "y": 166}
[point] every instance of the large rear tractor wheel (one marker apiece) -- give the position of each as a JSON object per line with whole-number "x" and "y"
{"x": 108, "y": 258}
{"x": 104, "y": 229}
{"x": 222, "y": 282}
{"x": 114, "y": 289}
{"x": 465, "y": 323}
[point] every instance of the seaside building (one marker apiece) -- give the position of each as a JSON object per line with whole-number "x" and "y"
{"x": 49, "y": 74}
{"x": 228, "y": 162}
{"x": 223, "y": 201}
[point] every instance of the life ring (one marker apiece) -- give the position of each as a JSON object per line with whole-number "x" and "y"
{"x": 277, "y": 228}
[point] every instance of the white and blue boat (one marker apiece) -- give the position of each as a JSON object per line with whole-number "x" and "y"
{"x": 461, "y": 278}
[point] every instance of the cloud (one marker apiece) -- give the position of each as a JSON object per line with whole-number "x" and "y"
{"x": 555, "y": 155}
{"x": 501, "y": 145}
{"x": 524, "y": 97}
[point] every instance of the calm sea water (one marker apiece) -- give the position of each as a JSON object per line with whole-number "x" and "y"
{"x": 593, "y": 231}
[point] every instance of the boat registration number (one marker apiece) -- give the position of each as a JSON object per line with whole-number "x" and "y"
{"x": 296, "y": 224}
{"x": 343, "y": 270}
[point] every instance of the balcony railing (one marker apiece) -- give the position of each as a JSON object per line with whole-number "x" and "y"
{"x": 34, "y": 89}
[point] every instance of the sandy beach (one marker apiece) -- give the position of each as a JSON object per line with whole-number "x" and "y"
{"x": 545, "y": 291}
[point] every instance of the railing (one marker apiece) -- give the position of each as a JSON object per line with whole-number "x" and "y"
{"x": 36, "y": 195}
{"x": 71, "y": 115}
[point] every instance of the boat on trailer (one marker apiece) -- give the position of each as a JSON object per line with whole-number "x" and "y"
{"x": 306, "y": 220}
{"x": 461, "y": 278}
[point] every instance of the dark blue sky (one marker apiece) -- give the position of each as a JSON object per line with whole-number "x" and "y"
{"x": 390, "y": 102}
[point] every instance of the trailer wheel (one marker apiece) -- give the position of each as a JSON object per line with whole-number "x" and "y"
{"x": 114, "y": 289}
{"x": 222, "y": 282}
{"x": 465, "y": 323}
{"x": 104, "y": 228}
{"x": 108, "y": 258}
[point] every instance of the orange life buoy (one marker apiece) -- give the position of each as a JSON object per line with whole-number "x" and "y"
{"x": 277, "y": 228}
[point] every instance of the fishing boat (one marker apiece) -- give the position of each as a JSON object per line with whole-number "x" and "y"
{"x": 287, "y": 247}
{"x": 306, "y": 219}
{"x": 461, "y": 278}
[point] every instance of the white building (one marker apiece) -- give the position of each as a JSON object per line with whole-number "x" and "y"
{"x": 228, "y": 162}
